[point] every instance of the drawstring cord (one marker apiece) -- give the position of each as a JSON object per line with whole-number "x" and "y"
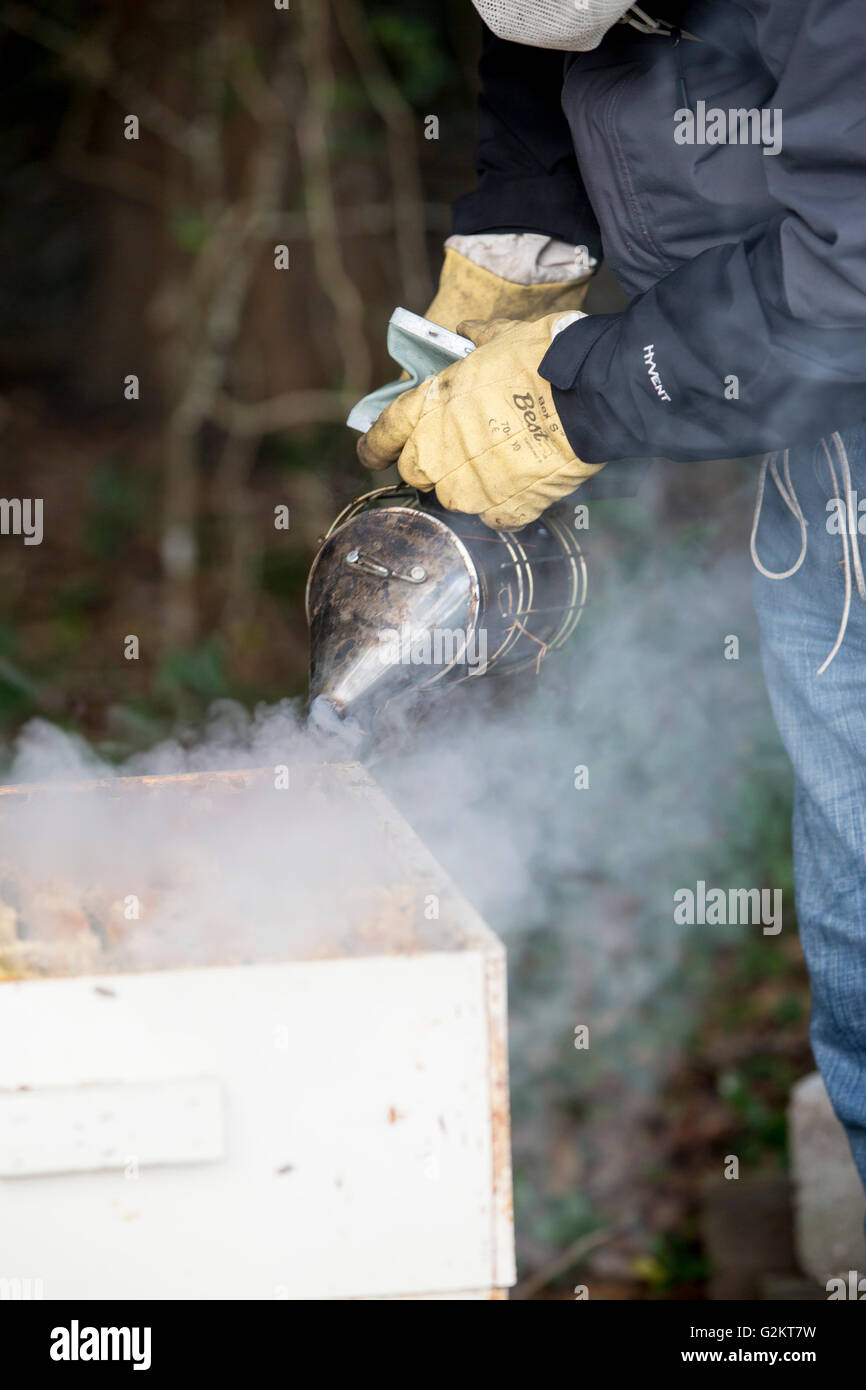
{"x": 789, "y": 497}
{"x": 850, "y": 515}
{"x": 645, "y": 24}
{"x": 850, "y": 549}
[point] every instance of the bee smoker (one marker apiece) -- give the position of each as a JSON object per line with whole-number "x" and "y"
{"x": 406, "y": 595}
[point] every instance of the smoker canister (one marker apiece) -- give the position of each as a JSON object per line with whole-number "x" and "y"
{"x": 406, "y": 594}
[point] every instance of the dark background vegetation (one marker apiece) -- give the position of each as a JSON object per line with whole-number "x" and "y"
{"x": 155, "y": 257}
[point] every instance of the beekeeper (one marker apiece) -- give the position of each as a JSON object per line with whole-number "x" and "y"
{"x": 715, "y": 154}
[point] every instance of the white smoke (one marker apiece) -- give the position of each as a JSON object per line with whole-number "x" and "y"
{"x": 106, "y": 874}
{"x": 578, "y": 880}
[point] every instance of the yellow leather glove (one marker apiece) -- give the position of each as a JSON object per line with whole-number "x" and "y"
{"x": 484, "y": 432}
{"x": 468, "y": 291}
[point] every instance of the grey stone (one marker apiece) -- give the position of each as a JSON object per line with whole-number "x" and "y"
{"x": 829, "y": 1201}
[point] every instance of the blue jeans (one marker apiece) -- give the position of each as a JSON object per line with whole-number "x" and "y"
{"x": 822, "y": 720}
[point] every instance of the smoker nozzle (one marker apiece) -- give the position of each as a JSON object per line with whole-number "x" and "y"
{"x": 330, "y": 718}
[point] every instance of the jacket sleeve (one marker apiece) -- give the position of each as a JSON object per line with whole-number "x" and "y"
{"x": 528, "y": 175}
{"x": 758, "y": 345}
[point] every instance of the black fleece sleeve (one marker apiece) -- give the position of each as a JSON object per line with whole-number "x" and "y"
{"x": 528, "y": 175}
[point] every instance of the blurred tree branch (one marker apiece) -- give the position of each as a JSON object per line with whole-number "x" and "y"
{"x": 196, "y": 308}
{"x": 286, "y": 412}
{"x": 88, "y": 57}
{"x": 224, "y": 293}
{"x": 372, "y": 219}
{"x": 312, "y": 135}
{"x": 399, "y": 122}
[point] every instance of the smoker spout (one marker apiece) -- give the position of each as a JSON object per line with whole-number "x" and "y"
{"x": 330, "y": 718}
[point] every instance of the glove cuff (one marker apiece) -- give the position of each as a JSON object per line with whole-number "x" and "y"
{"x": 526, "y": 258}
{"x": 469, "y": 291}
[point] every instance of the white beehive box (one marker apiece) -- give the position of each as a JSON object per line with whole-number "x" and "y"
{"x": 323, "y": 1127}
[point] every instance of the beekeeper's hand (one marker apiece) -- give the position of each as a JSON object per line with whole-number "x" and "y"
{"x": 509, "y": 275}
{"x": 484, "y": 432}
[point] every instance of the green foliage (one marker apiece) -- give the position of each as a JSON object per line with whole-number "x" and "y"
{"x": 555, "y": 1222}
{"x": 759, "y": 834}
{"x": 17, "y": 694}
{"x": 690, "y": 543}
{"x": 791, "y": 1009}
{"x": 283, "y": 574}
{"x": 349, "y": 96}
{"x": 78, "y": 595}
{"x": 116, "y": 499}
{"x": 413, "y": 48}
{"x": 314, "y": 449}
{"x": 764, "y": 1123}
{"x": 132, "y": 727}
{"x": 189, "y": 230}
{"x": 675, "y": 1259}
{"x": 198, "y": 671}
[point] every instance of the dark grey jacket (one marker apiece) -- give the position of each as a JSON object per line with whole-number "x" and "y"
{"x": 746, "y": 270}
